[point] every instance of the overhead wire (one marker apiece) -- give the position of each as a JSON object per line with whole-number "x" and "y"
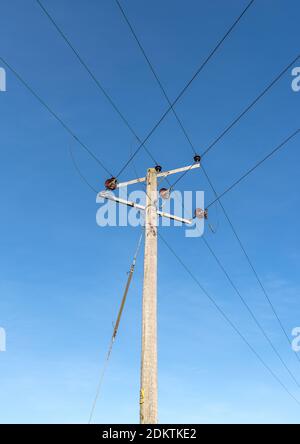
{"x": 245, "y": 110}
{"x": 259, "y": 163}
{"x": 97, "y": 82}
{"x": 120, "y": 312}
{"x": 55, "y": 115}
{"x": 228, "y": 320}
{"x": 154, "y": 73}
{"x": 250, "y": 311}
{"x": 230, "y": 126}
{"x": 187, "y": 85}
{"x": 251, "y": 105}
{"x": 243, "y": 113}
{"x": 234, "y": 122}
{"x": 94, "y": 78}
{"x": 173, "y": 103}
{"x": 83, "y": 63}
{"x": 78, "y": 170}
{"x": 254, "y": 272}
{"x": 116, "y": 328}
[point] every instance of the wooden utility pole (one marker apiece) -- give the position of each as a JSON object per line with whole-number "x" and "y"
{"x": 148, "y": 392}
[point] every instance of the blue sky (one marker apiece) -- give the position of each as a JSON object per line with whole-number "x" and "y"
{"x": 62, "y": 276}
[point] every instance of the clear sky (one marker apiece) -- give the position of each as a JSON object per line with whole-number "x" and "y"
{"x": 62, "y": 276}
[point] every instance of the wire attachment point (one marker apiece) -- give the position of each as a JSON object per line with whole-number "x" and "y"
{"x": 111, "y": 184}
{"x": 201, "y": 214}
{"x": 164, "y": 193}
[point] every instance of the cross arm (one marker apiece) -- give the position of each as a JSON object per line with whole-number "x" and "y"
{"x": 162, "y": 174}
{"x": 130, "y": 203}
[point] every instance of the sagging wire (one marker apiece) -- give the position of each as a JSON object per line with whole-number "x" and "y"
{"x": 77, "y": 169}
{"x": 116, "y": 327}
{"x": 135, "y": 171}
{"x": 129, "y": 279}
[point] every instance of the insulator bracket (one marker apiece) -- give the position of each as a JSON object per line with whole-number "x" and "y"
{"x": 111, "y": 184}
{"x": 201, "y": 214}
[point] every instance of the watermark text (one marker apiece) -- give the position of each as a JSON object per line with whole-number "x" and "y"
{"x": 296, "y": 340}
{"x": 296, "y": 80}
{"x": 2, "y": 80}
{"x": 130, "y": 212}
{"x": 2, "y": 340}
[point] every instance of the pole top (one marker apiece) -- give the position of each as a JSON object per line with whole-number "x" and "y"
{"x": 152, "y": 170}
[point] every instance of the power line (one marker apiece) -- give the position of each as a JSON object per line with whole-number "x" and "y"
{"x": 248, "y": 107}
{"x": 120, "y": 312}
{"x": 55, "y": 115}
{"x": 99, "y": 85}
{"x": 252, "y": 267}
{"x": 155, "y": 74}
{"x": 247, "y": 255}
{"x": 93, "y": 77}
{"x": 250, "y": 311}
{"x": 229, "y": 321}
{"x": 66, "y": 127}
{"x": 238, "y": 118}
{"x": 261, "y": 284}
{"x": 186, "y": 86}
{"x": 77, "y": 169}
{"x": 235, "y": 121}
{"x": 116, "y": 327}
{"x": 156, "y": 78}
{"x": 206, "y": 151}
{"x": 281, "y": 145}
{"x": 160, "y": 86}
{"x": 218, "y": 199}
{"x": 102, "y": 89}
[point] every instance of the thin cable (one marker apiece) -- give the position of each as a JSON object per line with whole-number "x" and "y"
{"x": 229, "y": 321}
{"x": 94, "y": 78}
{"x": 249, "y": 261}
{"x": 133, "y": 164}
{"x": 77, "y": 169}
{"x": 155, "y": 74}
{"x": 259, "y": 281}
{"x": 282, "y": 144}
{"x": 250, "y": 311}
{"x": 92, "y": 75}
{"x": 238, "y": 118}
{"x": 234, "y": 327}
{"x": 117, "y": 2}
{"x": 250, "y": 106}
{"x": 133, "y": 32}
{"x": 234, "y": 122}
{"x": 116, "y": 327}
{"x": 56, "y": 116}
{"x": 186, "y": 86}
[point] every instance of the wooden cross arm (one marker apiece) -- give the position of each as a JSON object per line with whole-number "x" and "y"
{"x": 162, "y": 174}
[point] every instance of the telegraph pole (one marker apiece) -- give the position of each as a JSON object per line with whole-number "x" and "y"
{"x": 148, "y": 390}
